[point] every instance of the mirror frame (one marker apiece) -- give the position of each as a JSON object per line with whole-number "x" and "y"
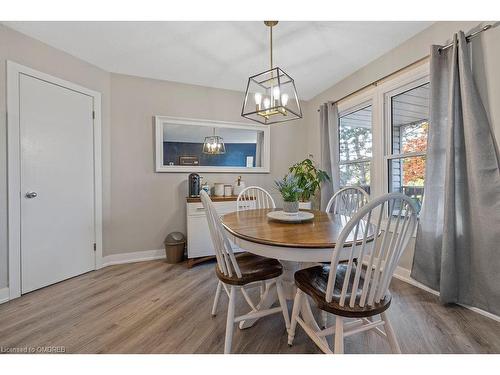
{"x": 160, "y": 120}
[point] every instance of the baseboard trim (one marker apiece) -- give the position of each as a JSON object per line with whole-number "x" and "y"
{"x": 403, "y": 274}
{"x": 482, "y": 312}
{"x": 136, "y": 256}
{"x": 4, "y": 295}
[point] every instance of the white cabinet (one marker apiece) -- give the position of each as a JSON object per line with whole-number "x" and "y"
{"x": 199, "y": 243}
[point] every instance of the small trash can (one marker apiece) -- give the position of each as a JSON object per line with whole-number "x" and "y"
{"x": 175, "y": 244}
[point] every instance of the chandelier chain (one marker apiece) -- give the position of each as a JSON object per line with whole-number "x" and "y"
{"x": 271, "y": 43}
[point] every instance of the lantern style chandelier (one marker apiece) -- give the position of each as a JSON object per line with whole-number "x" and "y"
{"x": 271, "y": 96}
{"x": 214, "y": 145}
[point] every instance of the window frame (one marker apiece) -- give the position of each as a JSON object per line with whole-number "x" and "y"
{"x": 345, "y": 110}
{"x": 412, "y": 79}
{"x": 378, "y": 96}
{"x": 388, "y": 110}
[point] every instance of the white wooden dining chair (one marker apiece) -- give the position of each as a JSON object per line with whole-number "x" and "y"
{"x": 347, "y": 201}
{"x": 236, "y": 273}
{"x": 254, "y": 197}
{"x": 249, "y": 198}
{"x": 356, "y": 292}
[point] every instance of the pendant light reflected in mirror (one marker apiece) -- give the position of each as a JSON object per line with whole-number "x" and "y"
{"x": 214, "y": 145}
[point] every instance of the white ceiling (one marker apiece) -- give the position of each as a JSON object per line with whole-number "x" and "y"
{"x": 224, "y": 54}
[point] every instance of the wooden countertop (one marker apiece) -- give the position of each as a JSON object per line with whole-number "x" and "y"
{"x": 230, "y": 198}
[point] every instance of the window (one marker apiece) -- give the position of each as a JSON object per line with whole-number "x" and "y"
{"x": 383, "y": 135}
{"x": 355, "y": 148}
{"x": 409, "y": 124}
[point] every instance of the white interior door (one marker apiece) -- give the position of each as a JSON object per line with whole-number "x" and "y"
{"x": 57, "y": 183}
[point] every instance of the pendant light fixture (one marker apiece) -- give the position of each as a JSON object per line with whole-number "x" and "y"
{"x": 214, "y": 145}
{"x": 271, "y": 96}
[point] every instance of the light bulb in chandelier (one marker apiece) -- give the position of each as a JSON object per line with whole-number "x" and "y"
{"x": 284, "y": 100}
{"x": 267, "y": 103}
{"x": 258, "y": 98}
{"x": 276, "y": 92}
{"x": 271, "y": 96}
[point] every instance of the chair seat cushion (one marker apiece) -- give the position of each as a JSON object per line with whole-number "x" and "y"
{"x": 253, "y": 268}
{"x": 313, "y": 281}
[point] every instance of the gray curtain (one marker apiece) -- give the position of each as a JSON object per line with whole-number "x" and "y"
{"x": 458, "y": 242}
{"x": 329, "y": 135}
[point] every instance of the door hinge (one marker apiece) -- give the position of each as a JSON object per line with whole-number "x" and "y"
{"x": 93, "y": 115}
{"x": 95, "y": 247}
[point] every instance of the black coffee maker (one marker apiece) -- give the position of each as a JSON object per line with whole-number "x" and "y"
{"x": 194, "y": 182}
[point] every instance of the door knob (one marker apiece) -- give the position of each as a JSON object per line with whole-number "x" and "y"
{"x": 30, "y": 194}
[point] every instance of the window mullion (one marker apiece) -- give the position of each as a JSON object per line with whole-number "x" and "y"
{"x": 405, "y": 155}
{"x": 357, "y": 161}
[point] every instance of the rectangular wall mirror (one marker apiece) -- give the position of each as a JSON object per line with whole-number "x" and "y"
{"x": 191, "y": 145}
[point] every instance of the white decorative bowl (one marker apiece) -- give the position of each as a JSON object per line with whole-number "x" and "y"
{"x": 299, "y": 217}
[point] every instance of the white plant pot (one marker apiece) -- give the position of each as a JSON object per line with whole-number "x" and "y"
{"x": 305, "y": 205}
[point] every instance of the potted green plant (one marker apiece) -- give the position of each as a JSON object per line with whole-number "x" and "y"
{"x": 290, "y": 192}
{"x": 309, "y": 179}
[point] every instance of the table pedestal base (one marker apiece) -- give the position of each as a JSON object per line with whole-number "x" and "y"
{"x": 289, "y": 269}
{"x": 270, "y": 295}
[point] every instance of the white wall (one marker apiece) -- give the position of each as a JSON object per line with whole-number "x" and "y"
{"x": 146, "y": 206}
{"x": 486, "y": 60}
{"x": 34, "y": 54}
{"x": 140, "y": 206}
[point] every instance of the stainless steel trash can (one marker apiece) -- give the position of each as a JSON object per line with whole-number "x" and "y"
{"x": 175, "y": 243}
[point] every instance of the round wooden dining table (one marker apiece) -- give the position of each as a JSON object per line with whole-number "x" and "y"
{"x": 295, "y": 245}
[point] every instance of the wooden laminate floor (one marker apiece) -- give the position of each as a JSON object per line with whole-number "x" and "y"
{"x": 153, "y": 307}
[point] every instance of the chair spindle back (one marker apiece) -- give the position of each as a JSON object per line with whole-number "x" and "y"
{"x": 347, "y": 201}
{"x": 378, "y": 259}
{"x": 224, "y": 254}
{"x": 255, "y": 194}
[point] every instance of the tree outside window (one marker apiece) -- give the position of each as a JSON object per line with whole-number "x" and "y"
{"x": 409, "y": 128}
{"x": 355, "y": 146}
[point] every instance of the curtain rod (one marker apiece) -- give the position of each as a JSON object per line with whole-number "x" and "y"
{"x": 375, "y": 83}
{"x": 469, "y": 37}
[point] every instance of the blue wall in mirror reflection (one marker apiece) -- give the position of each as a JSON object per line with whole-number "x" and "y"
{"x": 235, "y": 156}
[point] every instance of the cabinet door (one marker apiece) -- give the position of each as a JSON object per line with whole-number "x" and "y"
{"x": 199, "y": 242}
